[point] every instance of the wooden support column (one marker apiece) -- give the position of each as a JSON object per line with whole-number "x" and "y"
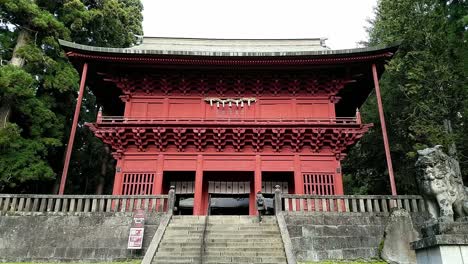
{"x": 257, "y": 185}
{"x": 198, "y": 196}
{"x": 298, "y": 180}
{"x": 384, "y": 130}
{"x": 338, "y": 179}
{"x": 158, "y": 180}
{"x": 117, "y": 190}
{"x": 71, "y": 140}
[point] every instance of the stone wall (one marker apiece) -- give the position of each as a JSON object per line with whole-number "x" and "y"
{"x": 70, "y": 236}
{"x": 324, "y": 236}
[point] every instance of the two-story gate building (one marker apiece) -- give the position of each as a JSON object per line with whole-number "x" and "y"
{"x": 228, "y": 118}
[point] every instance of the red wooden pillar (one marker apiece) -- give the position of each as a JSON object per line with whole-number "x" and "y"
{"x": 73, "y": 130}
{"x": 338, "y": 179}
{"x": 257, "y": 185}
{"x": 198, "y": 196}
{"x": 117, "y": 190}
{"x": 298, "y": 179}
{"x": 158, "y": 180}
{"x": 384, "y": 130}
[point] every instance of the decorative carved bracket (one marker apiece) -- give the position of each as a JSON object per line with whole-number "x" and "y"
{"x": 238, "y": 139}
{"x": 224, "y": 84}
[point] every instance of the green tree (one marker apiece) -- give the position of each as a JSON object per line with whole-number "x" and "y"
{"x": 38, "y": 85}
{"x": 424, "y": 92}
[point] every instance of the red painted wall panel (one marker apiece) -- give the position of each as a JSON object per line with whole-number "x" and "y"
{"x": 313, "y": 109}
{"x": 138, "y": 109}
{"x": 275, "y": 109}
{"x": 183, "y": 108}
{"x": 174, "y": 164}
{"x": 266, "y": 108}
{"x": 277, "y": 163}
{"x": 229, "y": 164}
{"x": 155, "y": 109}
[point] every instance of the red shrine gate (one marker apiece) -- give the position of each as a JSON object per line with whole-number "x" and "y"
{"x": 229, "y": 125}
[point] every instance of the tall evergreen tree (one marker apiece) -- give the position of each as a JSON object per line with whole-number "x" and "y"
{"x": 424, "y": 91}
{"x": 38, "y": 85}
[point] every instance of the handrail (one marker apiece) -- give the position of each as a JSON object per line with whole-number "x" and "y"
{"x": 311, "y": 196}
{"x": 82, "y": 203}
{"x": 203, "y": 244}
{"x": 349, "y": 203}
{"x": 83, "y": 196}
{"x": 310, "y": 120}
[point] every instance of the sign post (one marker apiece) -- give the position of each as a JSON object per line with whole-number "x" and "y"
{"x": 137, "y": 229}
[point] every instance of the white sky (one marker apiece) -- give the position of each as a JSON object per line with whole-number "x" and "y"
{"x": 343, "y": 22}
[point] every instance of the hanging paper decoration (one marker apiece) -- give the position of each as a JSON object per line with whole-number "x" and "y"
{"x": 230, "y": 101}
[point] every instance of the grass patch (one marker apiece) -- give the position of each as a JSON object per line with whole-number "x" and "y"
{"x": 345, "y": 262}
{"x": 137, "y": 261}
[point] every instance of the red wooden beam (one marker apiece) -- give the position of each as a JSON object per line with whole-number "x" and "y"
{"x": 73, "y": 130}
{"x": 384, "y": 130}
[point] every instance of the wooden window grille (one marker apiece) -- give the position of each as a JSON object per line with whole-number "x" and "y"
{"x": 319, "y": 183}
{"x": 140, "y": 183}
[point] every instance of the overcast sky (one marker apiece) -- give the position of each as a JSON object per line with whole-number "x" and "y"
{"x": 341, "y": 21}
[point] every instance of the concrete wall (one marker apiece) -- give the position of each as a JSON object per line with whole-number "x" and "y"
{"x": 70, "y": 237}
{"x": 323, "y": 236}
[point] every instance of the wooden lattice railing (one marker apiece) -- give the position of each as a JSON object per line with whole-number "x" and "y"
{"x": 225, "y": 120}
{"x": 83, "y": 203}
{"x": 349, "y": 203}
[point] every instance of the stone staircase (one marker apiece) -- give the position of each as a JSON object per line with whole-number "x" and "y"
{"x": 228, "y": 239}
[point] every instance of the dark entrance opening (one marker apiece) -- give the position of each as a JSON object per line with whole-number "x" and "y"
{"x": 184, "y": 183}
{"x": 229, "y": 192}
{"x": 285, "y": 179}
{"x": 229, "y": 204}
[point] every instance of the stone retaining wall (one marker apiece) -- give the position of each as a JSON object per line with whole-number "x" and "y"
{"x": 70, "y": 236}
{"x": 324, "y": 236}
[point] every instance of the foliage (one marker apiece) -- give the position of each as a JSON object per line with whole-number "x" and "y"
{"x": 424, "y": 92}
{"x": 40, "y": 95}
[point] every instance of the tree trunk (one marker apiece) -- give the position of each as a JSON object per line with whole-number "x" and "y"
{"x": 16, "y": 60}
{"x": 23, "y": 38}
{"x": 103, "y": 174}
{"x": 452, "y": 149}
{"x": 5, "y": 110}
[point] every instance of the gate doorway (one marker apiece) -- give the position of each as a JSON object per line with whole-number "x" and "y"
{"x": 229, "y": 192}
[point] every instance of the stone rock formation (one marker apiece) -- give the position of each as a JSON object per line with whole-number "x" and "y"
{"x": 399, "y": 233}
{"x": 441, "y": 184}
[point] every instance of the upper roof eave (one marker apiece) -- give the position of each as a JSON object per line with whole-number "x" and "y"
{"x": 132, "y": 52}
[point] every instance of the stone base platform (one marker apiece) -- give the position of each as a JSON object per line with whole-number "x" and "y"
{"x": 443, "y": 243}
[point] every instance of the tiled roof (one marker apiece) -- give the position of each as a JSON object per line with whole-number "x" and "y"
{"x": 223, "y": 47}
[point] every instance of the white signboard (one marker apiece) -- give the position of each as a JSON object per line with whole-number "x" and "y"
{"x": 135, "y": 238}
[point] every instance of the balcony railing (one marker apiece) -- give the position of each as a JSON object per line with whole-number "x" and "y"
{"x": 348, "y": 203}
{"x": 230, "y": 121}
{"x": 11, "y": 203}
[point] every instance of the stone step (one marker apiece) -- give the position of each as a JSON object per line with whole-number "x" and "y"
{"x": 222, "y": 219}
{"x": 226, "y": 228}
{"x": 241, "y": 243}
{"x": 227, "y": 239}
{"x": 212, "y": 220}
{"x": 263, "y": 245}
{"x": 178, "y": 249}
{"x": 226, "y": 253}
{"x": 192, "y": 224}
{"x": 256, "y": 233}
{"x": 220, "y": 259}
{"x": 175, "y": 261}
